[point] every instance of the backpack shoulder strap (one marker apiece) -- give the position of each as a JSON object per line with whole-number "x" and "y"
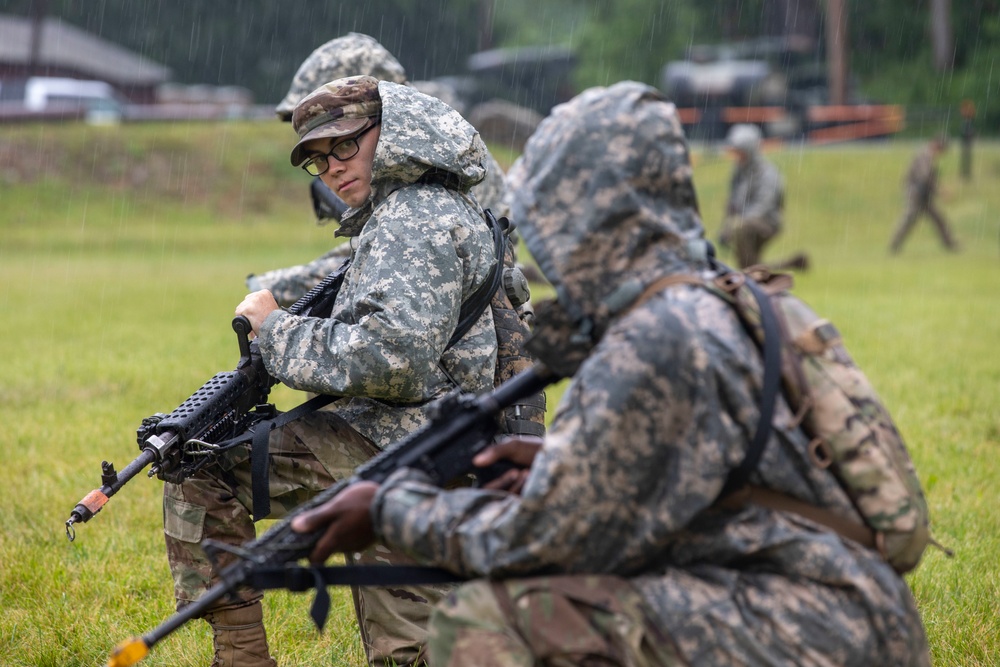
{"x": 771, "y": 348}
{"x": 476, "y": 304}
{"x": 770, "y": 388}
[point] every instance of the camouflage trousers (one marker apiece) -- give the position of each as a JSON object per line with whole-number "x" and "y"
{"x": 747, "y": 238}
{"x": 588, "y": 621}
{"x": 914, "y": 208}
{"x": 306, "y": 456}
{"x": 716, "y": 618}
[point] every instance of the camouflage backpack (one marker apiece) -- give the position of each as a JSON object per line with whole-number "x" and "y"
{"x": 850, "y": 429}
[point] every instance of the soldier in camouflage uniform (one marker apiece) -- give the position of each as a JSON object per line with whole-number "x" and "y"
{"x": 617, "y": 550}
{"x": 422, "y": 248}
{"x": 755, "y": 210}
{"x": 349, "y": 55}
{"x": 921, "y": 189}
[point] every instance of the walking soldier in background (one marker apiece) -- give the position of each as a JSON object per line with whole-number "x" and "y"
{"x": 921, "y": 191}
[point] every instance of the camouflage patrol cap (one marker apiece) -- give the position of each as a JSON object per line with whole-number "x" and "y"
{"x": 351, "y": 54}
{"x": 335, "y": 109}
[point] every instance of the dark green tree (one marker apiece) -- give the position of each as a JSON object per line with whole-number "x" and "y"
{"x": 259, "y": 43}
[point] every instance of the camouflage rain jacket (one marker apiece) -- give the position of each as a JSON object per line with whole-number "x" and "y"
{"x": 657, "y": 415}
{"x": 349, "y": 55}
{"x": 422, "y": 248}
{"x": 756, "y": 192}
{"x": 288, "y": 284}
{"x": 921, "y": 177}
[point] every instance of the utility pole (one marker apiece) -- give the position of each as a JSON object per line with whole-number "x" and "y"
{"x": 39, "y": 10}
{"x": 836, "y": 50}
{"x": 485, "y": 25}
{"x": 941, "y": 35}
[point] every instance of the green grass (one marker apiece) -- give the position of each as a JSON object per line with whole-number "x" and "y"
{"x": 120, "y": 266}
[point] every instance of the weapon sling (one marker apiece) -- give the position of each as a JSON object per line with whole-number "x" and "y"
{"x": 259, "y": 434}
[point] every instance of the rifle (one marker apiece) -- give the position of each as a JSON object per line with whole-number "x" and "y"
{"x": 461, "y": 425}
{"x": 211, "y": 419}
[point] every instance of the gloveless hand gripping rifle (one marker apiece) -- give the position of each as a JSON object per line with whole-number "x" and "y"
{"x": 227, "y": 406}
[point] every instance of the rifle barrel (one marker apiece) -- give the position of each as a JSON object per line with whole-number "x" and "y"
{"x": 92, "y": 503}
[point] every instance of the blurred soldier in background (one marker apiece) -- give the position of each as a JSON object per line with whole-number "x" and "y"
{"x": 755, "y": 210}
{"x": 921, "y": 190}
{"x": 350, "y": 55}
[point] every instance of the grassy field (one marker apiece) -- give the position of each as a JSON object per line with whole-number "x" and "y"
{"x": 123, "y": 253}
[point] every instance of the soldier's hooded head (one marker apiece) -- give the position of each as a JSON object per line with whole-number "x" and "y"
{"x": 350, "y": 55}
{"x": 604, "y": 198}
{"x": 744, "y": 138}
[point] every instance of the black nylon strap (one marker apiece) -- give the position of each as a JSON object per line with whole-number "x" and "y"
{"x": 769, "y": 390}
{"x": 259, "y": 458}
{"x": 477, "y": 303}
{"x": 471, "y": 311}
{"x": 300, "y": 579}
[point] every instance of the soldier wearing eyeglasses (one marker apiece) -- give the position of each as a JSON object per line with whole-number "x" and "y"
{"x": 405, "y": 163}
{"x": 351, "y": 55}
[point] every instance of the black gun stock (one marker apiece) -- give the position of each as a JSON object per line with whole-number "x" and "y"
{"x": 461, "y": 426}
{"x": 179, "y": 444}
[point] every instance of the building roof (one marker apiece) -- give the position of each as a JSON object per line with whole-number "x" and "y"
{"x": 66, "y": 46}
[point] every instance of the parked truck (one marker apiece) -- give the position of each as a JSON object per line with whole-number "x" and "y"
{"x": 778, "y": 84}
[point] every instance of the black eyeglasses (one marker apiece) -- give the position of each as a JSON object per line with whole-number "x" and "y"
{"x": 345, "y": 150}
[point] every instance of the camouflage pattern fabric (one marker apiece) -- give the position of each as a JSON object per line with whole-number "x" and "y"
{"x": 921, "y": 191}
{"x": 350, "y": 55}
{"x": 203, "y": 506}
{"x": 422, "y": 247}
{"x": 747, "y": 237}
{"x": 593, "y": 620}
{"x": 648, "y": 430}
{"x": 756, "y": 191}
{"x": 392, "y": 620}
{"x": 754, "y": 210}
{"x": 288, "y": 285}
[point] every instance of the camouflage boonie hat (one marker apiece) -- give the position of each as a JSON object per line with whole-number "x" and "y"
{"x": 335, "y": 109}
{"x": 349, "y": 55}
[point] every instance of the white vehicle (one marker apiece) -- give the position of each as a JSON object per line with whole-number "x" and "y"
{"x": 97, "y": 99}
{"x": 42, "y": 92}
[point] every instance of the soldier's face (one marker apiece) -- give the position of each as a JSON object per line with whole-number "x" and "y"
{"x": 349, "y": 179}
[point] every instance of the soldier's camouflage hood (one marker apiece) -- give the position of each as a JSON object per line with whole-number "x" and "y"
{"x": 604, "y": 198}
{"x": 421, "y": 138}
{"x": 349, "y": 55}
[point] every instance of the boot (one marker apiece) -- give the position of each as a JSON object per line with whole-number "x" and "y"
{"x": 240, "y": 640}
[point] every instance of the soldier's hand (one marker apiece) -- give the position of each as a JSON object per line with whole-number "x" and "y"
{"x": 256, "y": 306}
{"x": 347, "y": 520}
{"x": 519, "y": 450}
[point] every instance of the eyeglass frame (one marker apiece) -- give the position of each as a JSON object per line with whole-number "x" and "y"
{"x": 311, "y": 161}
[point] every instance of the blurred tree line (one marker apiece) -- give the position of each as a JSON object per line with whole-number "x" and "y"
{"x": 260, "y": 43}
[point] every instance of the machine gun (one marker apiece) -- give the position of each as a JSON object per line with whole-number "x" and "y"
{"x": 179, "y": 444}
{"x": 461, "y": 426}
